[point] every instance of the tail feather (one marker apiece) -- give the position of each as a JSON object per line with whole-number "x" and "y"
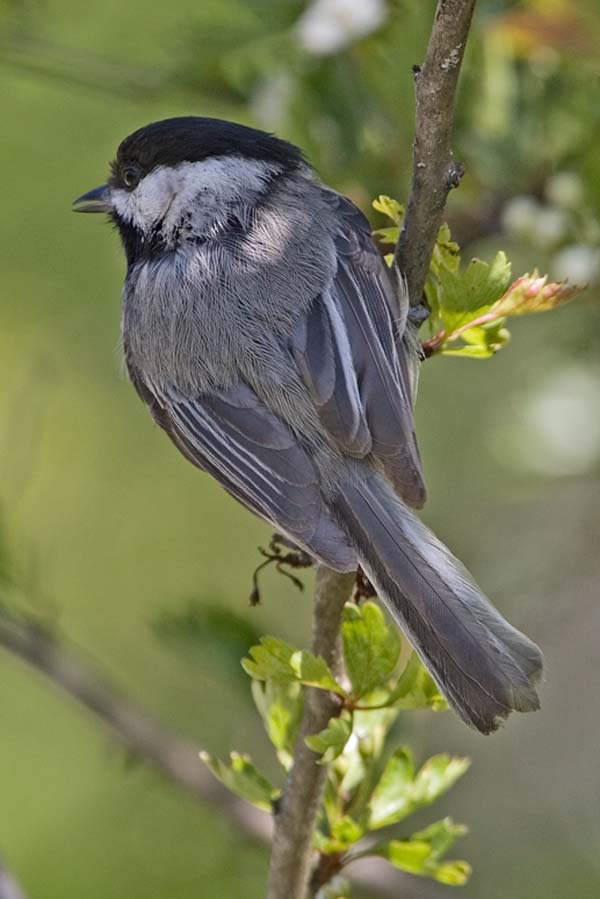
{"x": 484, "y": 666}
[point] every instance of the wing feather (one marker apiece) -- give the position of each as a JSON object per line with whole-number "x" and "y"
{"x": 352, "y": 355}
{"x": 255, "y": 456}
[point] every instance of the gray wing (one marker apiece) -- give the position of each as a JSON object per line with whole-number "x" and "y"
{"x": 254, "y": 455}
{"x": 356, "y": 359}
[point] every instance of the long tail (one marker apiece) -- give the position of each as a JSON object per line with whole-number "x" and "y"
{"x": 484, "y": 666}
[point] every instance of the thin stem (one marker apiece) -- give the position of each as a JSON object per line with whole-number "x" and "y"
{"x": 435, "y": 172}
{"x": 292, "y": 853}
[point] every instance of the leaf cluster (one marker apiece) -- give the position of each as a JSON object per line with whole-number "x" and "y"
{"x": 471, "y": 304}
{"x": 373, "y": 781}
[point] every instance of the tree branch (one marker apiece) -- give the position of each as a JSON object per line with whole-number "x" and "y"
{"x": 435, "y": 172}
{"x": 175, "y": 757}
{"x": 292, "y": 852}
{"x": 9, "y": 888}
{"x": 138, "y": 733}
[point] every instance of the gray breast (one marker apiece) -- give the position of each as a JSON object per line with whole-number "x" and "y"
{"x": 219, "y": 307}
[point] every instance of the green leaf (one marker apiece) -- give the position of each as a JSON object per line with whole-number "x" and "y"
{"x": 274, "y": 658}
{"x": 343, "y": 834}
{"x": 483, "y": 340}
{"x": 436, "y": 776}
{"x": 347, "y": 831}
{"x": 482, "y": 330}
{"x": 408, "y": 855}
{"x": 446, "y": 252}
{"x": 387, "y": 235}
{"x": 469, "y": 307}
{"x": 270, "y": 659}
{"x": 371, "y": 648}
{"x": 416, "y": 689}
{"x": 392, "y": 798}
{"x": 493, "y": 334}
{"x": 390, "y": 208}
{"x": 422, "y": 853}
{"x": 280, "y": 706}
{"x": 470, "y": 352}
{"x": 400, "y": 791}
{"x": 242, "y": 778}
{"x": 464, "y": 296}
{"x": 313, "y": 671}
{"x": 330, "y": 742}
{"x": 441, "y": 835}
{"x": 454, "y": 874}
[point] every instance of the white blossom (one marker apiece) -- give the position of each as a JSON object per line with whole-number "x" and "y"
{"x": 578, "y": 263}
{"x": 554, "y": 428}
{"x": 551, "y": 226}
{"x": 565, "y": 189}
{"x": 519, "y": 215}
{"x": 330, "y": 25}
{"x": 564, "y": 423}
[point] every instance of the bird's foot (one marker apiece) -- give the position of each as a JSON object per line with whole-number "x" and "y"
{"x": 284, "y": 554}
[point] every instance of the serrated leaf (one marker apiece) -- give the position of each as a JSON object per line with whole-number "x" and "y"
{"x": 314, "y": 671}
{"x": 446, "y": 252}
{"x": 409, "y": 855}
{"x": 469, "y": 307}
{"x": 242, "y": 778}
{"x": 400, "y": 791}
{"x": 270, "y": 659}
{"x": 490, "y": 334}
{"x": 436, "y": 777}
{"x": 532, "y": 293}
{"x": 389, "y": 207}
{"x": 347, "y": 831}
{"x": 274, "y": 658}
{"x": 416, "y": 689}
{"x": 453, "y": 874}
{"x": 441, "y": 835}
{"x": 484, "y": 336}
{"x": 280, "y": 706}
{"x": 371, "y": 648}
{"x": 422, "y": 853}
{"x": 469, "y": 352}
{"x": 465, "y": 296}
{"x": 392, "y": 798}
{"x": 330, "y": 742}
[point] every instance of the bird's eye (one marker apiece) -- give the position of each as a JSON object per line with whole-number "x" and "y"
{"x": 131, "y": 176}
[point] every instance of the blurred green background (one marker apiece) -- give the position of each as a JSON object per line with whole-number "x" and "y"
{"x": 108, "y": 527}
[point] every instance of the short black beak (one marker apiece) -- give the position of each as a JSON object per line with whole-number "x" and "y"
{"x": 96, "y": 200}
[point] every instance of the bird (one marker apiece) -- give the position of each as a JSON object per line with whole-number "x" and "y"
{"x": 273, "y": 344}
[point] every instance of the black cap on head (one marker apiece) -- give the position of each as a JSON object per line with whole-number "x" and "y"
{"x": 194, "y": 138}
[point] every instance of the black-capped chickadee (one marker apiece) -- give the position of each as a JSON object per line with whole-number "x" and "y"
{"x": 270, "y": 341}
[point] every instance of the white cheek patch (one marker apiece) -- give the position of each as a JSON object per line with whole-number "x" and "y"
{"x": 169, "y": 194}
{"x": 150, "y": 200}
